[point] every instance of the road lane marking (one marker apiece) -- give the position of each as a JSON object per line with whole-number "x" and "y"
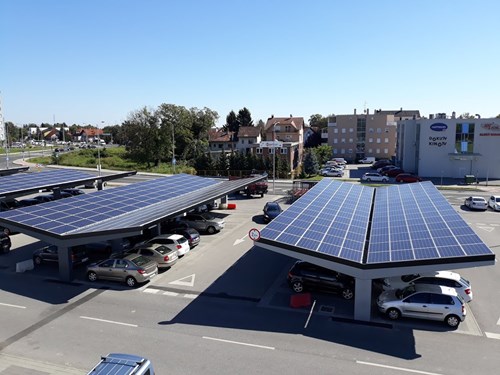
{"x": 172, "y": 294}
{"x": 182, "y": 281}
{"x": 240, "y": 240}
{"x": 9, "y": 305}
{"x": 498, "y": 323}
{"x": 492, "y": 335}
{"x": 109, "y": 321}
{"x": 239, "y": 343}
{"x": 151, "y": 291}
{"x": 310, "y": 313}
{"x": 397, "y": 368}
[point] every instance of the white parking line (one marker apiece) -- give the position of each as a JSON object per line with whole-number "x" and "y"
{"x": 498, "y": 323}
{"x": 397, "y": 368}
{"x": 310, "y": 313}
{"x": 492, "y": 335}
{"x": 109, "y": 321}
{"x": 239, "y": 343}
{"x": 151, "y": 291}
{"x": 16, "y": 306}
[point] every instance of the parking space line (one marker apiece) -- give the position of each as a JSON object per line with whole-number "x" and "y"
{"x": 397, "y": 368}
{"x": 239, "y": 343}
{"x": 9, "y": 305}
{"x": 151, "y": 291}
{"x": 171, "y": 294}
{"x": 492, "y": 335}
{"x": 310, "y": 313}
{"x": 109, "y": 321}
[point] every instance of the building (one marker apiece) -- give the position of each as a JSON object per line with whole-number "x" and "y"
{"x": 442, "y": 146}
{"x": 220, "y": 140}
{"x": 289, "y": 131}
{"x": 356, "y": 136}
{"x": 249, "y": 137}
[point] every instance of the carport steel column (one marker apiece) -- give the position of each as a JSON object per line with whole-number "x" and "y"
{"x": 363, "y": 299}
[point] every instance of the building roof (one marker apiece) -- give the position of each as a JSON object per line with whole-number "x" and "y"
{"x": 219, "y": 135}
{"x": 249, "y": 131}
{"x": 296, "y": 122}
{"x": 91, "y": 132}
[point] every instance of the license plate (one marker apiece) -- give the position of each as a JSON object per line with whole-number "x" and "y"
{"x": 84, "y": 260}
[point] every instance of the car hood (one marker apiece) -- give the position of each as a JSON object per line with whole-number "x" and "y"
{"x": 387, "y": 296}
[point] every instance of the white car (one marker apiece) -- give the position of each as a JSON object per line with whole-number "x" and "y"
{"x": 494, "y": 202}
{"x": 332, "y": 172}
{"x": 476, "y": 203}
{"x": 445, "y": 278}
{"x": 173, "y": 242}
{"x": 376, "y": 177}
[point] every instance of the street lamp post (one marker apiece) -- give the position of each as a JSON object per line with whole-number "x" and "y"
{"x": 274, "y": 153}
{"x": 98, "y": 151}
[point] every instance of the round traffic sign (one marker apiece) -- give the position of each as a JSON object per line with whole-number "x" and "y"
{"x": 254, "y": 234}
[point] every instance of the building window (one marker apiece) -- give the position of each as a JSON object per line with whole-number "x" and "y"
{"x": 342, "y": 140}
{"x": 334, "y": 151}
{"x": 464, "y": 138}
{"x": 242, "y": 141}
{"x": 370, "y": 150}
{"x": 250, "y": 141}
{"x": 378, "y": 151}
{"x": 387, "y": 130}
{"x": 370, "y": 130}
{"x": 283, "y": 151}
{"x": 386, "y": 150}
{"x": 288, "y": 128}
{"x": 351, "y": 130}
{"x": 370, "y": 140}
{"x": 342, "y": 151}
{"x": 288, "y": 137}
{"x": 335, "y": 130}
{"x": 277, "y": 128}
{"x": 335, "y": 140}
{"x": 259, "y": 150}
{"x": 379, "y": 130}
{"x": 349, "y": 151}
{"x": 343, "y": 130}
{"x": 271, "y": 150}
{"x": 351, "y": 140}
{"x": 378, "y": 140}
{"x": 220, "y": 145}
{"x": 386, "y": 140}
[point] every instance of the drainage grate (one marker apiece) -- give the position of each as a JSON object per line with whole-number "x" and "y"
{"x": 326, "y": 309}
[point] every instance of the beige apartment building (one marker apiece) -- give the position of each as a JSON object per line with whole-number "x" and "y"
{"x": 356, "y": 136}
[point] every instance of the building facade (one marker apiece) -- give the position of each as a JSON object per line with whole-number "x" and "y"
{"x": 357, "y": 136}
{"x": 450, "y": 147}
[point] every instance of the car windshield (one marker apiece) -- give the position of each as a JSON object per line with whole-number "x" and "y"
{"x": 497, "y": 199}
{"x": 162, "y": 250}
{"x": 207, "y": 216}
{"x": 182, "y": 240}
{"x": 139, "y": 261}
{"x": 403, "y": 293}
{"x": 478, "y": 199}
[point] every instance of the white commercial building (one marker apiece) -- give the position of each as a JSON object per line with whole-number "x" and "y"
{"x": 450, "y": 147}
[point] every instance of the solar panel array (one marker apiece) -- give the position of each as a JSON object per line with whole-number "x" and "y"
{"x": 411, "y": 222}
{"x": 416, "y": 222}
{"x": 331, "y": 218}
{"x": 25, "y": 181}
{"x": 110, "y": 208}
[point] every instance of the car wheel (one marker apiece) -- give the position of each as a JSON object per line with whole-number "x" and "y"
{"x": 262, "y": 195}
{"x": 369, "y": 179}
{"x": 37, "y": 260}
{"x": 385, "y": 179}
{"x": 130, "y": 281}
{"x": 452, "y": 321}
{"x": 297, "y": 286}
{"x": 210, "y": 230}
{"x": 347, "y": 293}
{"x": 92, "y": 276}
{"x": 393, "y": 314}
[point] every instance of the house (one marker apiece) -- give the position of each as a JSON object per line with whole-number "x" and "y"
{"x": 249, "y": 137}
{"x": 220, "y": 140}
{"x": 88, "y": 134}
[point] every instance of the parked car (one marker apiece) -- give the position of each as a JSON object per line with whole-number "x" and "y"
{"x": 51, "y": 254}
{"x": 44, "y": 198}
{"x": 8, "y": 204}
{"x": 204, "y": 222}
{"x": 104, "y": 249}
{"x": 163, "y": 255}
{"x": 5, "y": 243}
{"x": 126, "y": 364}
{"x": 432, "y": 302}
{"x": 446, "y": 278}
{"x": 73, "y": 191}
{"x": 393, "y": 172}
{"x": 380, "y": 163}
{"x": 407, "y": 177}
{"x": 476, "y": 203}
{"x": 271, "y": 211}
{"x": 367, "y": 160}
{"x": 381, "y": 170}
{"x": 376, "y": 177}
{"x": 28, "y": 202}
{"x": 190, "y": 234}
{"x": 175, "y": 242}
{"x": 494, "y": 202}
{"x": 332, "y": 172}
{"x": 304, "y": 275}
{"x": 131, "y": 269}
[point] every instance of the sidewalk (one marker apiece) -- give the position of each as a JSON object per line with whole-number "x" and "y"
{"x": 15, "y": 365}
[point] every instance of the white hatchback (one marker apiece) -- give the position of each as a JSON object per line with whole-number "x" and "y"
{"x": 172, "y": 241}
{"x": 494, "y": 202}
{"x": 376, "y": 177}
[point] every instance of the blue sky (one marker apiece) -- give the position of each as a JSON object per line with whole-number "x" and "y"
{"x": 88, "y": 61}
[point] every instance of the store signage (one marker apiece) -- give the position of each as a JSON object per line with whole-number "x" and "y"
{"x": 491, "y": 126}
{"x": 438, "y": 141}
{"x": 271, "y": 144}
{"x": 439, "y": 127}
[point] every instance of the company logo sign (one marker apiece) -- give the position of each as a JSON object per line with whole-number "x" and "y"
{"x": 491, "y": 126}
{"x": 438, "y": 141}
{"x": 439, "y": 127}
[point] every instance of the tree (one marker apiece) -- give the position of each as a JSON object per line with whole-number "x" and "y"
{"x": 318, "y": 120}
{"x": 244, "y": 117}
{"x": 232, "y": 124}
{"x": 311, "y": 166}
{"x": 222, "y": 163}
{"x": 323, "y": 153}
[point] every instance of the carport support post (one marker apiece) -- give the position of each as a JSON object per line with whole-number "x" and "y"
{"x": 223, "y": 199}
{"x": 65, "y": 263}
{"x": 363, "y": 299}
{"x": 99, "y": 184}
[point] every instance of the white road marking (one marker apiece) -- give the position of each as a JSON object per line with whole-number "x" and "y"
{"x": 492, "y": 335}
{"x": 16, "y": 306}
{"x": 240, "y": 240}
{"x": 109, "y": 321}
{"x": 498, "y": 323}
{"x": 191, "y": 296}
{"x": 310, "y": 313}
{"x": 172, "y": 294}
{"x": 397, "y": 368}
{"x": 239, "y": 343}
{"x": 150, "y": 290}
{"x": 184, "y": 283}
{"x": 487, "y": 229}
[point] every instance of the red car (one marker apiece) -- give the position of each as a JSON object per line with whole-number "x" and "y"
{"x": 407, "y": 177}
{"x": 393, "y": 172}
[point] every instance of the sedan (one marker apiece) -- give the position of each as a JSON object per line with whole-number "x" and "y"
{"x": 385, "y": 168}
{"x": 159, "y": 253}
{"x": 271, "y": 211}
{"x": 476, "y": 203}
{"x": 204, "y": 222}
{"x": 393, "y": 172}
{"x": 332, "y": 172}
{"x": 132, "y": 269}
{"x": 494, "y": 202}
{"x": 50, "y": 254}
{"x": 407, "y": 177}
{"x": 376, "y": 177}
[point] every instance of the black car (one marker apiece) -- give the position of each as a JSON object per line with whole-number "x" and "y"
{"x": 5, "y": 243}
{"x": 50, "y": 254}
{"x": 305, "y": 275}
{"x": 73, "y": 191}
{"x": 271, "y": 210}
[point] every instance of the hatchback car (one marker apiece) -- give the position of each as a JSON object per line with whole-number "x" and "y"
{"x": 190, "y": 234}
{"x": 432, "y": 302}
{"x": 407, "y": 177}
{"x": 376, "y": 177}
{"x": 393, "y": 172}
{"x": 494, "y": 202}
{"x": 204, "y": 222}
{"x": 446, "y": 278}
{"x": 131, "y": 269}
{"x": 304, "y": 275}
{"x": 175, "y": 242}
{"x": 476, "y": 203}
{"x": 164, "y": 256}
{"x": 50, "y": 254}
{"x": 332, "y": 172}
{"x": 380, "y": 163}
{"x": 271, "y": 211}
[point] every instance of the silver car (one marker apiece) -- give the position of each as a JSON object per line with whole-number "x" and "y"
{"x": 204, "y": 222}
{"x": 164, "y": 256}
{"x": 131, "y": 269}
{"x": 432, "y": 302}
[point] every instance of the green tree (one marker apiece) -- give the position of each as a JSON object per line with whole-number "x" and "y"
{"x": 222, "y": 163}
{"x": 245, "y": 117}
{"x": 318, "y": 120}
{"x": 311, "y": 165}
{"x": 232, "y": 123}
{"x": 323, "y": 153}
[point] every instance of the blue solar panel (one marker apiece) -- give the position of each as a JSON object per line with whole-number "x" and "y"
{"x": 331, "y": 218}
{"x": 34, "y": 180}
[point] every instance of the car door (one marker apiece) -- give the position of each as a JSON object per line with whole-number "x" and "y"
{"x": 330, "y": 281}
{"x": 105, "y": 269}
{"x": 441, "y": 305}
{"x": 310, "y": 276}
{"x": 50, "y": 254}
{"x": 120, "y": 270}
{"x": 416, "y": 305}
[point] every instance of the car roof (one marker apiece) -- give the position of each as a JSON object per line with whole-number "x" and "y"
{"x": 435, "y": 289}
{"x": 476, "y": 197}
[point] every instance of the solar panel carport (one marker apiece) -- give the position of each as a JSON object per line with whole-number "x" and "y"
{"x": 371, "y": 233}
{"x": 116, "y": 213}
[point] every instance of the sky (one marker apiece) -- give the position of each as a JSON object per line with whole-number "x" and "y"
{"x": 97, "y": 61}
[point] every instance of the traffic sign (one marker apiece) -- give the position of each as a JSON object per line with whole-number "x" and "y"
{"x": 254, "y": 234}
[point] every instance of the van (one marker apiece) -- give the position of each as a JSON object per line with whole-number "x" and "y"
{"x": 123, "y": 364}
{"x": 340, "y": 160}
{"x": 367, "y": 160}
